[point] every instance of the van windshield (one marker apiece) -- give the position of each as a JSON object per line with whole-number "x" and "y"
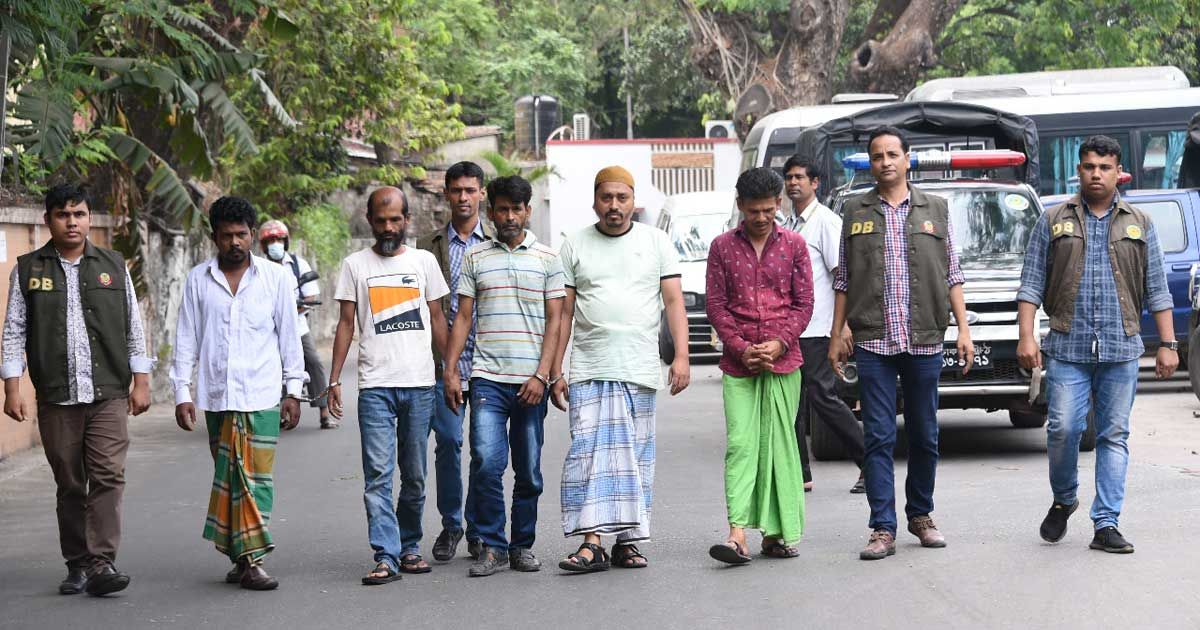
{"x": 692, "y": 234}
{"x": 989, "y": 223}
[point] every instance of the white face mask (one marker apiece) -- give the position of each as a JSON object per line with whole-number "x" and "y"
{"x": 275, "y": 251}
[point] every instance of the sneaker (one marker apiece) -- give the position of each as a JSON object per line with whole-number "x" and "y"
{"x": 490, "y": 560}
{"x": 1054, "y": 526}
{"x": 1110, "y": 540}
{"x": 923, "y": 528}
{"x": 473, "y": 548}
{"x": 523, "y": 560}
{"x": 446, "y": 545}
{"x": 881, "y": 545}
{"x": 860, "y": 486}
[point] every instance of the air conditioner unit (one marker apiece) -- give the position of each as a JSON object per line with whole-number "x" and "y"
{"x": 719, "y": 129}
{"x": 582, "y": 127}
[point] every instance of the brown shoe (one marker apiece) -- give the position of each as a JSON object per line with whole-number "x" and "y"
{"x": 254, "y": 578}
{"x": 923, "y": 528}
{"x": 881, "y": 545}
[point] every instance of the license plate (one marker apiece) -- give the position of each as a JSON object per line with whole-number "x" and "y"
{"x": 983, "y": 358}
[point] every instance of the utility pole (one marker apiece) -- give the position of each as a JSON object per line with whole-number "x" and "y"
{"x": 628, "y": 94}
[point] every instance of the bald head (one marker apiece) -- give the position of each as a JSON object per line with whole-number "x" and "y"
{"x": 387, "y": 197}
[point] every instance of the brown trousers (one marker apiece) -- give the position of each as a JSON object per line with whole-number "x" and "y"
{"x": 86, "y": 445}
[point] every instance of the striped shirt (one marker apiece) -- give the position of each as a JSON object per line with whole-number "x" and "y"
{"x": 510, "y": 288}
{"x": 456, "y": 247}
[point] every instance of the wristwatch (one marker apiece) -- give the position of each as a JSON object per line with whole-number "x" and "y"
{"x": 1169, "y": 345}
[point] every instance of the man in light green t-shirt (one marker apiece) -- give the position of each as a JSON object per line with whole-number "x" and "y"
{"x": 619, "y": 275}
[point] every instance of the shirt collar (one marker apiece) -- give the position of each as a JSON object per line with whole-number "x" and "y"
{"x": 477, "y": 232}
{"x": 907, "y": 201}
{"x": 1113, "y": 205}
{"x": 740, "y": 230}
{"x": 806, "y": 214}
{"x": 526, "y": 243}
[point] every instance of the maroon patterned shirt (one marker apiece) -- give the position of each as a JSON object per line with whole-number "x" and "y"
{"x": 752, "y": 300}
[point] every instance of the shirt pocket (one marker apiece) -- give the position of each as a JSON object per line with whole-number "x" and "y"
{"x": 927, "y": 229}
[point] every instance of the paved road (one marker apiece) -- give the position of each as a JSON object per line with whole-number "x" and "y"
{"x": 992, "y": 493}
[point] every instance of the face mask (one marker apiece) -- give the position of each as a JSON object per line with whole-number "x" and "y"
{"x": 275, "y": 250}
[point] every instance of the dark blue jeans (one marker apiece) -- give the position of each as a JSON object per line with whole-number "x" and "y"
{"x": 447, "y": 428}
{"x": 500, "y": 422}
{"x": 877, "y": 390}
{"x": 393, "y": 424}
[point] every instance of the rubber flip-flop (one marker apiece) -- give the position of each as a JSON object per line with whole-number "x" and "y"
{"x": 373, "y": 580}
{"x": 729, "y": 553}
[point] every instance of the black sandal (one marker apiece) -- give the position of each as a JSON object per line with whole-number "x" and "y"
{"x": 389, "y": 576}
{"x": 776, "y": 549}
{"x": 411, "y": 564}
{"x": 625, "y": 555}
{"x": 576, "y": 563}
{"x": 730, "y": 552}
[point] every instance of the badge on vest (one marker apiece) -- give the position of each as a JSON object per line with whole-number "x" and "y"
{"x": 41, "y": 284}
{"x": 928, "y": 227}
{"x": 862, "y": 227}
{"x": 1066, "y": 227}
{"x": 105, "y": 279}
{"x": 1133, "y": 231}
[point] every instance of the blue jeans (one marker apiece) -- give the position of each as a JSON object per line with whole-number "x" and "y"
{"x": 447, "y": 428}
{"x": 919, "y": 376}
{"x": 1069, "y": 386}
{"x": 393, "y": 423}
{"x": 499, "y": 422}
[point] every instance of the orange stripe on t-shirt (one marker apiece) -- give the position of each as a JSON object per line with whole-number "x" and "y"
{"x": 383, "y": 298}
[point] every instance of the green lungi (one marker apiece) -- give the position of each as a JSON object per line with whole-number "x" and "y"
{"x": 243, "y": 491}
{"x": 764, "y": 488}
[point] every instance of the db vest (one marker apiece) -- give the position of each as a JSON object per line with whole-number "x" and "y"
{"x": 105, "y": 315}
{"x": 863, "y": 227}
{"x": 1068, "y": 254}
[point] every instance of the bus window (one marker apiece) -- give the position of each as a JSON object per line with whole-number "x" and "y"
{"x": 1168, "y": 222}
{"x": 1059, "y": 159}
{"x": 1161, "y": 157}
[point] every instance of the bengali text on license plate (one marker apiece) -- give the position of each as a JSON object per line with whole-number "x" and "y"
{"x": 983, "y": 357}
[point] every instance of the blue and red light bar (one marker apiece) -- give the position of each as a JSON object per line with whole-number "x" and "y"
{"x": 946, "y": 160}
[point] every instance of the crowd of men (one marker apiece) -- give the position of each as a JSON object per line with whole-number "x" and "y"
{"x": 479, "y": 318}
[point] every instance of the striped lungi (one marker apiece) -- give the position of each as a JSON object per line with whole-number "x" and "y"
{"x": 243, "y": 491}
{"x": 608, "y": 475}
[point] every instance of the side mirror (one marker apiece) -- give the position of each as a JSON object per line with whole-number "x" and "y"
{"x": 306, "y": 277}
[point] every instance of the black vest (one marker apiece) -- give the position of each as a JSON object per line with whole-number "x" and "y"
{"x": 105, "y": 314}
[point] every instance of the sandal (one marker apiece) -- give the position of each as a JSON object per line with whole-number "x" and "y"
{"x": 626, "y": 555}
{"x": 776, "y": 549}
{"x": 730, "y": 552}
{"x": 383, "y": 573}
{"x": 577, "y": 563}
{"x": 414, "y": 563}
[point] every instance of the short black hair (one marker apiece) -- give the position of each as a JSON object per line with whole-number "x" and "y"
{"x": 514, "y": 188}
{"x": 1102, "y": 146}
{"x": 59, "y": 196}
{"x": 230, "y": 209}
{"x": 464, "y": 169}
{"x": 403, "y": 197}
{"x": 797, "y": 161}
{"x": 887, "y": 130}
{"x": 759, "y": 183}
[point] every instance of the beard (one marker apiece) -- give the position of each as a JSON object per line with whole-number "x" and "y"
{"x": 389, "y": 243}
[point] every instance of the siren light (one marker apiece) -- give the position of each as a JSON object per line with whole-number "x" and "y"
{"x": 946, "y": 160}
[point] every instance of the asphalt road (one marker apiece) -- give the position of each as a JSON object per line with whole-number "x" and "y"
{"x": 992, "y": 493}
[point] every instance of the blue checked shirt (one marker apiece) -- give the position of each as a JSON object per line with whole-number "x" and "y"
{"x": 457, "y": 248}
{"x": 1097, "y": 333}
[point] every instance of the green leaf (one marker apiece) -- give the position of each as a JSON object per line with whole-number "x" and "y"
{"x": 279, "y": 25}
{"x": 277, "y": 109}
{"x": 51, "y": 115}
{"x": 190, "y": 145}
{"x": 232, "y": 122}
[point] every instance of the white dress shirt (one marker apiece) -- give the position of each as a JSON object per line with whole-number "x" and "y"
{"x": 308, "y": 290}
{"x": 822, "y": 231}
{"x": 246, "y": 345}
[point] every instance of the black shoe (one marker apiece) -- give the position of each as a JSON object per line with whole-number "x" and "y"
{"x": 524, "y": 560}
{"x": 1054, "y": 526}
{"x": 74, "y": 583}
{"x": 489, "y": 561}
{"x": 473, "y": 548}
{"x": 860, "y": 486}
{"x": 106, "y": 579}
{"x": 1110, "y": 540}
{"x": 446, "y": 545}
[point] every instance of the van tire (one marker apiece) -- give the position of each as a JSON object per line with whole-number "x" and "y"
{"x": 825, "y": 444}
{"x": 1023, "y": 415}
{"x": 1193, "y": 360}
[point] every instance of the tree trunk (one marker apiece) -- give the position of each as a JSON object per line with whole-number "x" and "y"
{"x": 894, "y": 63}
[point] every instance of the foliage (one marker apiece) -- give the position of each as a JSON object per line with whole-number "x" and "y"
{"x": 511, "y": 165}
{"x": 325, "y": 231}
{"x": 667, "y": 91}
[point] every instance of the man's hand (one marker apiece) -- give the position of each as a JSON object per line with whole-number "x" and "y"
{"x": 966, "y": 349}
{"x": 558, "y": 394}
{"x": 185, "y": 416}
{"x": 335, "y": 401}
{"x": 289, "y": 413}
{"x": 839, "y": 351}
{"x": 452, "y": 390}
{"x": 1029, "y": 355}
{"x": 680, "y": 374}
{"x": 14, "y": 404}
{"x": 139, "y": 399}
{"x": 753, "y": 359}
{"x": 532, "y": 392}
{"x": 1165, "y": 363}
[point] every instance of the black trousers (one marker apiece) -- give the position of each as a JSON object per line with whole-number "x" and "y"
{"x": 819, "y": 399}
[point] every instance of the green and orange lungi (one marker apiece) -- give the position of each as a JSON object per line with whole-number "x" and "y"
{"x": 243, "y": 491}
{"x": 764, "y": 489}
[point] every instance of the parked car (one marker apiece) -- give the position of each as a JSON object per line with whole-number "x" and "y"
{"x": 693, "y": 220}
{"x": 1192, "y": 332}
{"x": 1176, "y": 215}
